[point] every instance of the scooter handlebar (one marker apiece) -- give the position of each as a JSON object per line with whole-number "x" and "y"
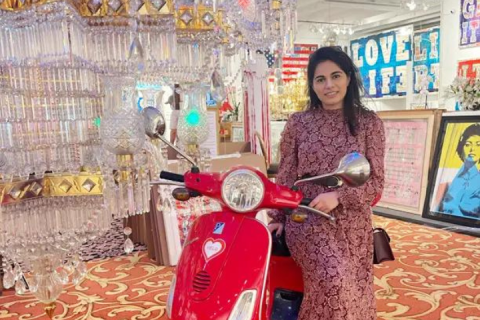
{"x": 306, "y": 201}
{"x": 172, "y": 176}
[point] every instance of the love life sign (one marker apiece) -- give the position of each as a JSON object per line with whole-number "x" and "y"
{"x": 470, "y": 23}
{"x": 382, "y": 61}
{"x": 426, "y": 60}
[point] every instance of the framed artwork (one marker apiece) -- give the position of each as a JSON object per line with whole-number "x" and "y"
{"x": 238, "y": 133}
{"x": 382, "y": 61}
{"x": 469, "y": 68}
{"x": 469, "y": 30}
{"x": 454, "y": 189}
{"x": 410, "y": 140}
{"x": 426, "y": 60}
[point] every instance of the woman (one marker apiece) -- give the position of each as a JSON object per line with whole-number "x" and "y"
{"x": 336, "y": 258}
{"x": 463, "y": 195}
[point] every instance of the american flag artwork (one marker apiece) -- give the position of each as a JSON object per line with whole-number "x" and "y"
{"x": 296, "y": 62}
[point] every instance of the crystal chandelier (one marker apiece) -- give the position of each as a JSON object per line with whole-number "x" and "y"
{"x": 73, "y": 150}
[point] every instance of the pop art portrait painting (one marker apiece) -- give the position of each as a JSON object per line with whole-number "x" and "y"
{"x": 455, "y": 180}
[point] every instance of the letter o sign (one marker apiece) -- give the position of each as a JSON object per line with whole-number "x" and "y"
{"x": 371, "y": 52}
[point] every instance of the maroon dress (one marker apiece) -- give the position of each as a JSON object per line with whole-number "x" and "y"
{"x": 336, "y": 258}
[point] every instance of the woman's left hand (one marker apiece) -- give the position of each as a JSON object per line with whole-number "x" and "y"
{"x": 325, "y": 202}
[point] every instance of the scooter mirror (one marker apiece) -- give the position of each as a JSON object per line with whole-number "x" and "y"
{"x": 155, "y": 128}
{"x": 154, "y": 122}
{"x": 353, "y": 170}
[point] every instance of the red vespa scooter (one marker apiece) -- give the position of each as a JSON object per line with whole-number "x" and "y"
{"x": 231, "y": 267}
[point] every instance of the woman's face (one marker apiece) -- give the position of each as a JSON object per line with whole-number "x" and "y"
{"x": 330, "y": 84}
{"x": 471, "y": 149}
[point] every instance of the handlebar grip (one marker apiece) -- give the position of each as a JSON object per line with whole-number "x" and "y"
{"x": 172, "y": 176}
{"x": 306, "y": 201}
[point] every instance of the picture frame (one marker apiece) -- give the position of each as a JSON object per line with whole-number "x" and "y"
{"x": 410, "y": 140}
{"x": 238, "y": 132}
{"x": 453, "y": 194}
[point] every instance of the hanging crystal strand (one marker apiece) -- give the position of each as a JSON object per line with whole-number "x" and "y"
{"x": 128, "y": 245}
{"x": 138, "y": 199}
{"x": 131, "y": 196}
{"x": 146, "y": 191}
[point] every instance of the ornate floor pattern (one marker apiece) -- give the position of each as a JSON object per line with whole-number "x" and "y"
{"x": 435, "y": 277}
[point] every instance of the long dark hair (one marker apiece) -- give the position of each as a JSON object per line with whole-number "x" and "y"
{"x": 352, "y": 105}
{"x": 473, "y": 130}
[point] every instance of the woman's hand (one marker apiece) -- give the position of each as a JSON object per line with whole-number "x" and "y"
{"x": 325, "y": 202}
{"x": 276, "y": 226}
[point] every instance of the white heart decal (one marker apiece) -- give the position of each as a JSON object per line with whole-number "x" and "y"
{"x": 213, "y": 248}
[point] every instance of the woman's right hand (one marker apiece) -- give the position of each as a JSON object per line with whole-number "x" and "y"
{"x": 276, "y": 226}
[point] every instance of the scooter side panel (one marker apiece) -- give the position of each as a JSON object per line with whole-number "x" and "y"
{"x": 216, "y": 266}
{"x": 284, "y": 273}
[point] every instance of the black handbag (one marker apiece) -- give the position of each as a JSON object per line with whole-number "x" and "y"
{"x": 381, "y": 246}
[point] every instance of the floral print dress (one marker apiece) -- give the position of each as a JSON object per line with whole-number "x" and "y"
{"x": 336, "y": 257}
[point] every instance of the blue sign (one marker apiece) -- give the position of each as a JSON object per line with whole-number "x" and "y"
{"x": 382, "y": 60}
{"x": 470, "y": 23}
{"x": 426, "y": 60}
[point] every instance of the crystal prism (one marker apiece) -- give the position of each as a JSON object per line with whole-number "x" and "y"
{"x": 137, "y": 4}
{"x": 94, "y": 5}
{"x": 128, "y": 246}
{"x": 15, "y": 192}
{"x": 33, "y": 284}
{"x": 65, "y": 186}
{"x": 17, "y": 272}
{"x": 20, "y": 287}
{"x": 8, "y": 279}
{"x": 82, "y": 268}
{"x": 36, "y": 188}
{"x": 76, "y": 277}
{"x": 88, "y": 185}
{"x": 127, "y": 231}
{"x": 207, "y": 18}
{"x": 186, "y": 17}
{"x": 114, "y": 4}
{"x": 63, "y": 276}
{"x": 158, "y": 4}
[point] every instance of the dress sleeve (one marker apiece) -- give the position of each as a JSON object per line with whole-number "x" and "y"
{"x": 287, "y": 168}
{"x": 375, "y": 153}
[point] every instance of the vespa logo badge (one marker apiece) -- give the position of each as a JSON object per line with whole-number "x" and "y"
{"x": 219, "y": 228}
{"x": 213, "y": 248}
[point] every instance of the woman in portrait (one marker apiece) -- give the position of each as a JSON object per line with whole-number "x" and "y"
{"x": 462, "y": 197}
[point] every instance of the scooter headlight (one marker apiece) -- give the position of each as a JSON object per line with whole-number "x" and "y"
{"x": 244, "y": 306}
{"x": 243, "y": 190}
{"x": 170, "y": 297}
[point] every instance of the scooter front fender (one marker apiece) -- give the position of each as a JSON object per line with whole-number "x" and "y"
{"x": 224, "y": 255}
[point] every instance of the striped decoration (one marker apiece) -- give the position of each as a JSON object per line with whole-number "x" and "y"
{"x": 293, "y": 63}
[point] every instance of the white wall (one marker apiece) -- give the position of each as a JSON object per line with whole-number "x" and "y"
{"x": 450, "y": 52}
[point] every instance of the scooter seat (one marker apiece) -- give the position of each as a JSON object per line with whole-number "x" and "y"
{"x": 279, "y": 245}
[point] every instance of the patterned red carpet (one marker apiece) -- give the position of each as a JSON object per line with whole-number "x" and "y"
{"x": 435, "y": 276}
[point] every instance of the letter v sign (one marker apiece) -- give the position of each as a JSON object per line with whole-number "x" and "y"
{"x": 386, "y": 43}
